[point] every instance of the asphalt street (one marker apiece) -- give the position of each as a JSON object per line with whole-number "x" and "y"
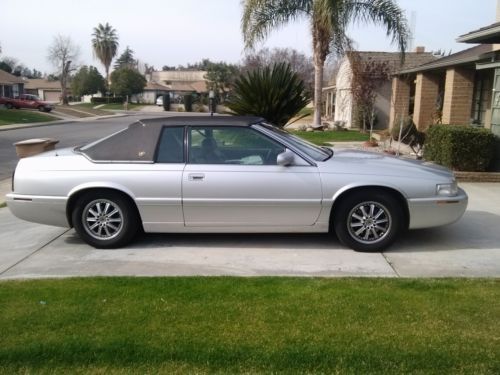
{"x": 69, "y": 134}
{"x": 468, "y": 248}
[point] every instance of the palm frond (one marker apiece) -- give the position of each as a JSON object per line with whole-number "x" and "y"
{"x": 260, "y": 17}
{"x": 381, "y": 12}
{"x": 105, "y": 44}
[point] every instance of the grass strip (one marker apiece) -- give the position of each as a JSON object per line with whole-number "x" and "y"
{"x": 250, "y": 325}
{"x": 120, "y": 106}
{"x": 14, "y": 116}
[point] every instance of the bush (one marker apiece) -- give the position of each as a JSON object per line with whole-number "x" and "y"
{"x": 275, "y": 93}
{"x": 166, "y": 102}
{"x": 461, "y": 148}
{"x": 188, "y": 102}
{"x": 106, "y": 100}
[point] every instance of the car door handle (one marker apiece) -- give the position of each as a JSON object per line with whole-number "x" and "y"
{"x": 196, "y": 177}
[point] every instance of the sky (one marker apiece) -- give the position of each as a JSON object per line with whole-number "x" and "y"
{"x": 174, "y": 32}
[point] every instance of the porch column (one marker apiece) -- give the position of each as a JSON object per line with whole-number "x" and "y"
{"x": 400, "y": 100}
{"x": 327, "y": 105}
{"x": 458, "y": 93}
{"x": 426, "y": 94}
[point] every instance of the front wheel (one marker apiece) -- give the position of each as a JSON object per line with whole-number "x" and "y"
{"x": 9, "y": 105}
{"x": 105, "y": 219}
{"x": 41, "y": 108}
{"x": 368, "y": 222}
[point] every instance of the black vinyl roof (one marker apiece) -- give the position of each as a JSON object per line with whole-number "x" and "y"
{"x": 202, "y": 120}
{"x": 137, "y": 143}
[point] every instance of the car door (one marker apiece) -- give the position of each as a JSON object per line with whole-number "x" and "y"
{"x": 27, "y": 101}
{"x": 232, "y": 180}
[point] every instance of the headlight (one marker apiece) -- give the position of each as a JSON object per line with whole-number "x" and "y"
{"x": 447, "y": 190}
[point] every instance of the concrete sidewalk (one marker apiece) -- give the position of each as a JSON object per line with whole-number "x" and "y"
{"x": 469, "y": 248}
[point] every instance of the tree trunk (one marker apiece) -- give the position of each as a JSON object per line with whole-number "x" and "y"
{"x": 107, "y": 80}
{"x": 64, "y": 82}
{"x": 318, "y": 90}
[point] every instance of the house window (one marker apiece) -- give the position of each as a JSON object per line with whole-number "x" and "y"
{"x": 482, "y": 97}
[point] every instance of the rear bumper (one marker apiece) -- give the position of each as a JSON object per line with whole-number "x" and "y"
{"x": 39, "y": 209}
{"x": 436, "y": 211}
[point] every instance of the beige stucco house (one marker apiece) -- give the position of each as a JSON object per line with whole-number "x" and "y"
{"x": 49, "y": 91}
{"x": 340, "y": 105}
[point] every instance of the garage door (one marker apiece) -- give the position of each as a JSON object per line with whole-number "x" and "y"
{"x": 51, "y": 96}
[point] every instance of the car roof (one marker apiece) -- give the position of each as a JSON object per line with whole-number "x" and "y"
{"x": 138, "y": 141}
{"x": 201, "y": 120}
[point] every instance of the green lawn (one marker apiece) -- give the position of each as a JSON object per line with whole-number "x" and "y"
{"x": 15, "y": 116}
{"x": 250, "y": 325}
{"x": 321, "y": 137}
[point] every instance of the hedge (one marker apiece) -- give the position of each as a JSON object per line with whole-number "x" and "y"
{"x": 106, "y": 100}
{"x": 461, "y": 148}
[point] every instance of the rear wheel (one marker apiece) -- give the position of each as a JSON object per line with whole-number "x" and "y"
{"x": 41, "y": 108}
{"x": 105, "y": 219}
{"x": 9, "y": 105}
{"x": 367, "y": 221}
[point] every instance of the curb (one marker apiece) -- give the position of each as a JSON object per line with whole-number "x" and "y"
{"x": 477, "y": 176}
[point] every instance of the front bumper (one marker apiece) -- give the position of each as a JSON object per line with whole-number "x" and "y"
{"x": 39, "y": 209}
{"x": 436, "y": 211}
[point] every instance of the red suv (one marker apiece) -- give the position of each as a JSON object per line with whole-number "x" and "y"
{"x": 27, "y": 101}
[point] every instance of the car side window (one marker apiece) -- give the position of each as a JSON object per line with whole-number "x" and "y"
{"x": 171, "y": 145}
{"x": 231, "y": 145}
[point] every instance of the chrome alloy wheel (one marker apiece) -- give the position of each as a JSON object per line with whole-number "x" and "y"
{"x": 102, "y": 219}
{"x": 369, "y": 222}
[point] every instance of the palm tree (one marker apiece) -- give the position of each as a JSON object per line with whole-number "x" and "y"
{"x": 105, "y": 45}
{"x": 329, "y": 20}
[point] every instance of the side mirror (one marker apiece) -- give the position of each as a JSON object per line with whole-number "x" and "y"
{"x": 286, "y": 158}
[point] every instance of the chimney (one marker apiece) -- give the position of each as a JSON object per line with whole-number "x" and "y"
{"x": 421, "y": 49}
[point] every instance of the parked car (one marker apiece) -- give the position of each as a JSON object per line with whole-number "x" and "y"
{"x": 229, "y": 174}
{"x": 159, "y": 101}
{"x": 27, "y": 101}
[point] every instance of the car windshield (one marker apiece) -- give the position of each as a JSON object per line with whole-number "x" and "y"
{"x": 308, "y": 148}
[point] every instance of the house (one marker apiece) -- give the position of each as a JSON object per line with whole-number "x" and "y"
{"x": 340, "y": 103}
{"x": 181, "y": 82}
{"x": 459, "y": 89}
{"x": 151, "y": 92}
{"x": 10, "y": 85}
{"x": 49, "y": 91}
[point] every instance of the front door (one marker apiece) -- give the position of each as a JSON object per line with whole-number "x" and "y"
{"x": 232, "y": 180}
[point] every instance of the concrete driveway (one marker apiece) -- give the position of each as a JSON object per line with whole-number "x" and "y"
{"x": 469, "y": 248}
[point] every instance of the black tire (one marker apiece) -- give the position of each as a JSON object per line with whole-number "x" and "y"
{"x": 105, "y": 219}
{"x": 9, "y": 105}
{"x": 368, "y": 221}
{"x": 41, "y": 108}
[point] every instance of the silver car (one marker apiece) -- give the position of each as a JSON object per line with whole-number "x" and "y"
{"x": 229, "y": 174}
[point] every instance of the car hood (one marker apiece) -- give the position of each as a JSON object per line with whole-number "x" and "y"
{"x": 374, "y": 163}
